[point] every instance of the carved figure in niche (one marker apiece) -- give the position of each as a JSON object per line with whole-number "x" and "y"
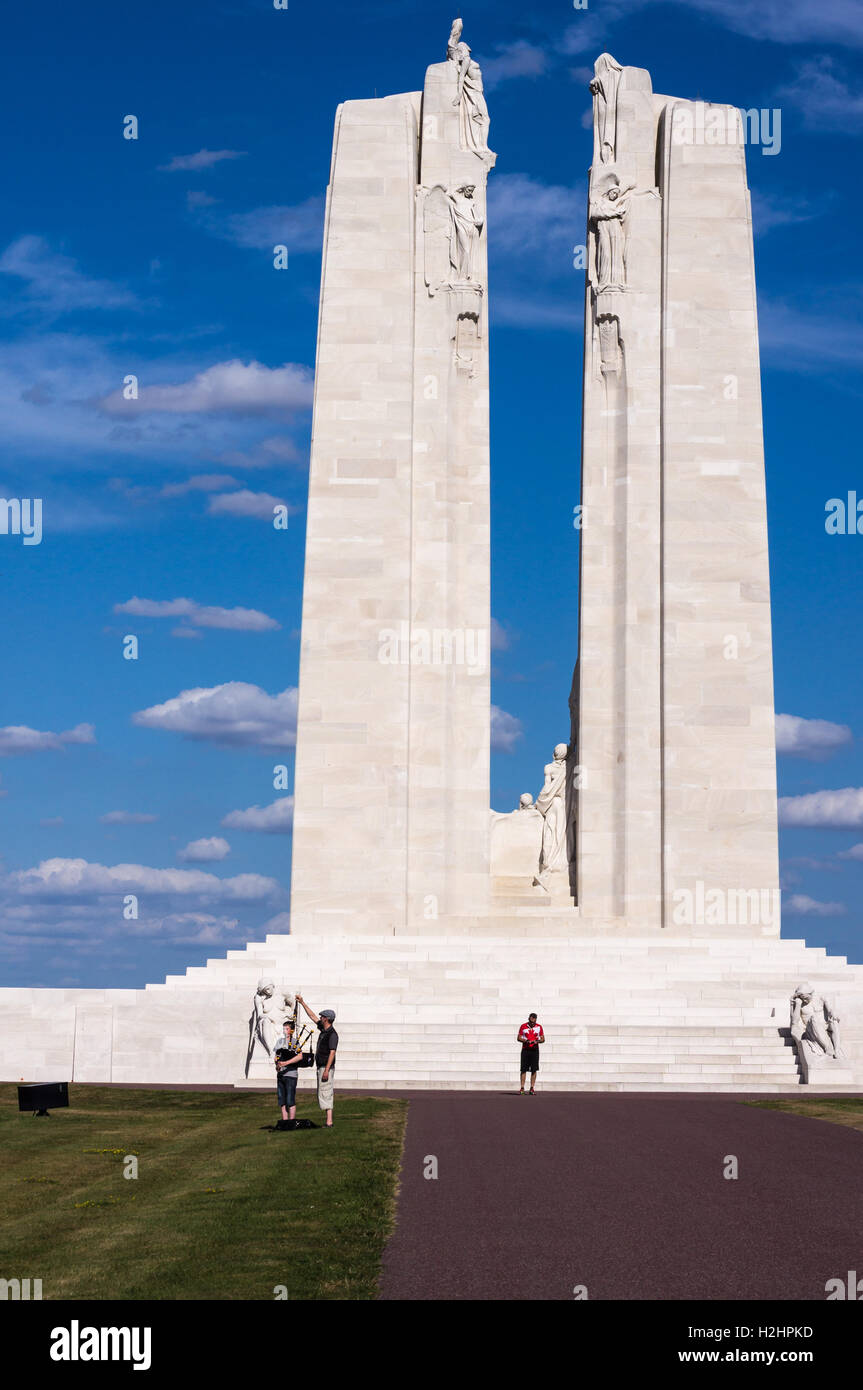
{"x": 607, "y": 208}
{"x": 551, "y": 804}
{"x": 467, "y": 225}
{"x": 604, "y": 85}
{"x": 814, "y": 1025}
{"x": 452, "y": 225}
{"x": 470, "y": 98}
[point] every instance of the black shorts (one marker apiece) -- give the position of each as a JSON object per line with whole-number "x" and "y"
{"x": 530, "y": 1059}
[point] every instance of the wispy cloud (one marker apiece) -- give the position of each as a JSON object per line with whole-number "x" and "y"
{"x": 299, "y": 227}
{"x": 799, "y": 905}
{"x": 199, "y": 614}
{"x": 202, "y": 159}
{"x": 206, "y": 851}
{"x": 260, "y": 506}
{"x": 241, "y": 387}
{"x": 128, "y": 818}
{"x": 510, "y": 60}
{"x": 275, "y": 819}
{"x": 52, "y": 285}
{"x": 17, "y": 740}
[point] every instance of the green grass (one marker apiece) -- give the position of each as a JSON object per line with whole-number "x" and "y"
{"x": 221, "y": 1209}
{"x": 839, "y": 1110}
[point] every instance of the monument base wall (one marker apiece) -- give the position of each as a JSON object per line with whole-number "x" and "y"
{"x": 627, "y": 1011}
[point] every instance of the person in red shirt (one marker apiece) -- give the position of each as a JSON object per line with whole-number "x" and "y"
{"x": 530, "y": 1035}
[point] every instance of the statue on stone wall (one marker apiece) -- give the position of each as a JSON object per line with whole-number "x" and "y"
{"x": 607, "y": 208}
{"x": 467, "y": 224}
{"x": 604, "y": 85}
{"x": 268, "y": 1016}
{"x": 470, "y": 98}
{"x": 452, "y": 225}
{"x": 814, "y": 1025}
{"x": 551, "y": 804}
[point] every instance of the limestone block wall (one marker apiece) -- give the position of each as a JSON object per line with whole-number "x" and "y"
{"x": 350, "y": 826}
{"x": 392, "y": 765}
{"x": 719, "y": 760}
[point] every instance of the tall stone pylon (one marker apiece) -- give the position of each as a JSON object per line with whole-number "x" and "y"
{"x": 676, "y": 742}
{"x": 392, "y": 764}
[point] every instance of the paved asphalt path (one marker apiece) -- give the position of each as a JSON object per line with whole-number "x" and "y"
{"x": 624, "y": 1194}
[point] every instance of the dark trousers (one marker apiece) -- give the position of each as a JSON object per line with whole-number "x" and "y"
{"x": 286, "y": 1087}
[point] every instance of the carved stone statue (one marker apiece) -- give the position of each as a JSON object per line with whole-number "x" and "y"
{"x": 453, "y": 223}
{"x": 470, "y": 99}
{"x": 604, "y": 85}
{"x": 467, "y": 224}
{"x": 814, "y": 1025}
{"x": 525, "y": 801}
{"x": 551, "y": 804}
{"x": 268, "y": 1016}
{"x": 608, "y": 206}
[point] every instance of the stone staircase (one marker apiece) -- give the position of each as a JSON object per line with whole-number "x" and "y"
{"x": 627, "y": 1013}
{"x": 621, "y": 1011}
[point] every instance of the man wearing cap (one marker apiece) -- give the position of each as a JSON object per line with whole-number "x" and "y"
{"x": 325, "y": 1057}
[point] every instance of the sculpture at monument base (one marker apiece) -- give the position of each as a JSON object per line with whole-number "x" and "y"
{"x": 815, "y": 1030}
{"x": 270, "y": 1008}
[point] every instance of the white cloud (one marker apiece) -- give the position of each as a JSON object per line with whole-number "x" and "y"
{"x": 771, "y": 210}
{"x": 200, "y": 482}
{"x": 505, "y": 730}
{"x": 17, "y": 739}
{"x": 128, "y": 818}
{"x": 810, "y": 738}
{"x": 795, "y": 339}
{"x": 781, "y": 21}
{"x": 855, "y": 852}
{"x": 244, "y": 387}
{"x": 823, "y": 96}
{"x": 499, "y": 636}
{"x": 838, "y": 810}
{"x": 798, "y": 905}
{"x": 202, "y": 159}
{"x": 275, "y": 819}
{"x": 529, "y": 217}
{"x": 53, "y": 283}
{"x": 198, "y": 614}
{"x": 300, "y": 228}
{"x": 518, "y": 59}
{"x": 205, "y": 851}
{"x": 60, "y": 878}
{"x": 258, "y": 505}
{"x": 234, "y": 715}
{"x": 267, "y": 454}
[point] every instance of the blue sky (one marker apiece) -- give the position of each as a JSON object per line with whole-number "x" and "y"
{"x": 153, "y": 257}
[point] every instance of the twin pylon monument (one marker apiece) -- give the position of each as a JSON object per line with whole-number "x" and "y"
{"x": 635, "y": 903}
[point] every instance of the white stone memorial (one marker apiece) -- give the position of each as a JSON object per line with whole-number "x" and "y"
{"x": 634, "y": 903}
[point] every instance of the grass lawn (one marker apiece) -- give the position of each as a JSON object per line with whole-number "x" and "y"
{"x": 839, "y": 1110}
{"x": 221, "y": 1208}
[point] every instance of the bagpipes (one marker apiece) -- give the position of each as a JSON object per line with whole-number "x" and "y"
{"x": 301, "y": 1038}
